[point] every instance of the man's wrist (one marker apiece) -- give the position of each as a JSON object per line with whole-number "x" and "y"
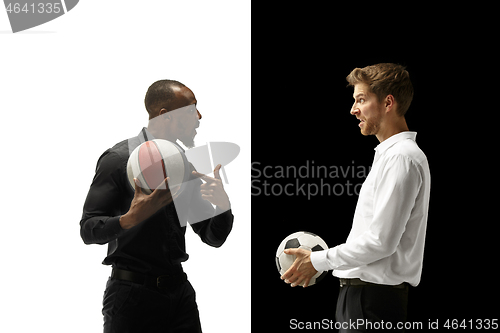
{"x": 319, "y": 260}
{"x": 224, "y": 206}
{"x": 126, "y": 221}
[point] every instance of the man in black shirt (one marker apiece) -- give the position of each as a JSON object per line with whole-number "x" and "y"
{"x": 148, "y": 290}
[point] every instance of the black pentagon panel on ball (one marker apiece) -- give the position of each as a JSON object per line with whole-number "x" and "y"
{"x": 292, "y": 244}
{"x": 317, "y": 248}
{"x": 278, "y": 263}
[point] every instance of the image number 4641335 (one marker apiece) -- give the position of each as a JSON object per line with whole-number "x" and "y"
{"x": 24, "y": 15}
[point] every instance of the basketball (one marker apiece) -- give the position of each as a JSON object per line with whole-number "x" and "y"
{"x": 303, "y": 240}
{"x": 155, "y": 160}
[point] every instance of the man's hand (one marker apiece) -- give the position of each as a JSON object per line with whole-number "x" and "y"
{"x": 143, "y": 205}
{"x": 302, "y": 270}
{"x": 213, "y": 190}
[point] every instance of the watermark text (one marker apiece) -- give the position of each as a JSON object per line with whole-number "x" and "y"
{"x": 308, "y": 180}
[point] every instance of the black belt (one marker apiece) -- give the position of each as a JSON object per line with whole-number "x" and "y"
{"x": 358, "y": 282}
{"x": 162, "y": 282}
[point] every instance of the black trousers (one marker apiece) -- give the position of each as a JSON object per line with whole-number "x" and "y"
{"x": 371, "y": 308}
{"x": 133, "y": 308}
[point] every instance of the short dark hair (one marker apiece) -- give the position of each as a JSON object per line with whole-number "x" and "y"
{"x": 386, "y": 79}
{"x": 160, "y": 94}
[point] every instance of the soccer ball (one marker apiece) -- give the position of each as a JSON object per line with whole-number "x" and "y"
{"x": 153, "y": 161}
{"x": 303, "y": 240}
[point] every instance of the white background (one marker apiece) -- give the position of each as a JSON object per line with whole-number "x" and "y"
{"x": 73, "y": 87}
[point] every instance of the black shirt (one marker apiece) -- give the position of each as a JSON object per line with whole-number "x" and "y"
{"x": 157, "y": 244}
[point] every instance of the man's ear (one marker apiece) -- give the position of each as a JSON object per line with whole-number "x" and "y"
{"x": 389, "y": 103}
{"x": 164, "y": 113}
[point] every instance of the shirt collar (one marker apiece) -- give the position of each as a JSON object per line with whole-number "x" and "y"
{"x": 383, "y": 146}
{"x": 146, "y": 135}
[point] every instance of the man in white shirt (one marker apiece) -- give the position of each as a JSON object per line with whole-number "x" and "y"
{"x": 384, "y": 251}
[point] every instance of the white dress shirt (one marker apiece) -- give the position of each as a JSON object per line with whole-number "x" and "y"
{"x": 386, "y": 242}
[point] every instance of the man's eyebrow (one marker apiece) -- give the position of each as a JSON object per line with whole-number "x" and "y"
{"x": 359, "y": 95}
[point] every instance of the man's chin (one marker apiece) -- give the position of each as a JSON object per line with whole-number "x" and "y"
{"x": 189, "y": 143}
{"x": 365, "y": 133}
{"x": 369, "y": 129}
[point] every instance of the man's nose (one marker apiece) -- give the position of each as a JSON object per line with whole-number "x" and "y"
{"x": 354, "y": 111}
{"x": 199, "y": 114}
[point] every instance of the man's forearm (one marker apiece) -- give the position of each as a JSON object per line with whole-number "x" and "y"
{"x": 100, "y": 229}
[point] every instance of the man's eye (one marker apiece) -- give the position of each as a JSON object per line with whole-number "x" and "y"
{"x": 361, "y": 100}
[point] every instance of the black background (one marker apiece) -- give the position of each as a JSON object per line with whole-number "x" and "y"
{"x": 300, "y": 112}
